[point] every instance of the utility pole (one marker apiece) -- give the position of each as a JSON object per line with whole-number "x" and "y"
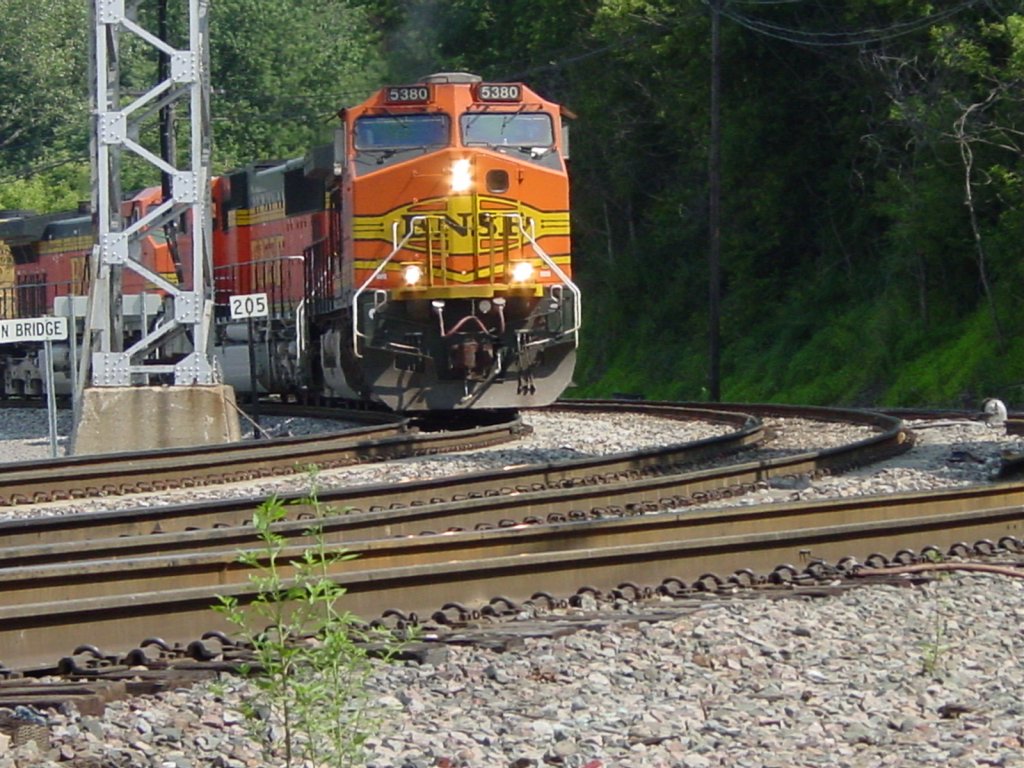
{"x": 714, "y": 209}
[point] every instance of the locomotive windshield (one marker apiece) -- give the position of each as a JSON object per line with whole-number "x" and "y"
{"x": 387, "y": 139}
{"x": 402, "y": 131}
{"x": 515, "y": 129}
{"x": 529, "y": 132}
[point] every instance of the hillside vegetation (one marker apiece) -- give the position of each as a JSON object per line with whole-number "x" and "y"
{"x": 872, "y": 168}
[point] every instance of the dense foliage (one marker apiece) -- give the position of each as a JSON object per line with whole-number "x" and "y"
{"x": 872, "y": 168}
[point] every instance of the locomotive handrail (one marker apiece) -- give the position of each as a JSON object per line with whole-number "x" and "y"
{"x": 380, "y": 268}
{"x": 300, "y": 329}
{"x": 576, "y": 292}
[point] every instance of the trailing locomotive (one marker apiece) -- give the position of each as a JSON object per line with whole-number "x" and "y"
{"x": 421, "y": 261}
{"x": 44, "y": 271}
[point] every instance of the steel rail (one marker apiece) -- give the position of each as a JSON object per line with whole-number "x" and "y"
{"x": 114, "y": 605}
{"x": 54, "y": 531}
{"x": 509, "y": 482}
{"x": 124, "y": 473}
{"x": 197, "y": 567}
{"x": 554, "y": 502}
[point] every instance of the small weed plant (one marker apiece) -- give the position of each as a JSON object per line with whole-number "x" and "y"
{"x": 310, "y": 662}
{"x": 936, "y": 648}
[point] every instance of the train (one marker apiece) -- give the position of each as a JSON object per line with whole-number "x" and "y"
{"x": 421, "y": 261}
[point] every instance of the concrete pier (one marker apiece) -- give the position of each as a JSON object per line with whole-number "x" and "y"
{"x": 118, "y": 419}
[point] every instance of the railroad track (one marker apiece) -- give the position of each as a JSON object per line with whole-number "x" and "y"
{"x": 638, "y": 482}
{"x": 384, "y": 437}
{"x": 586, "y": 526}
{"x": 417, "y": 505}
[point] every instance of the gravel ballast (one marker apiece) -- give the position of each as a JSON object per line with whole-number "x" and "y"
{"x": 881, "y": 676}
{"x": 874, "y": 676}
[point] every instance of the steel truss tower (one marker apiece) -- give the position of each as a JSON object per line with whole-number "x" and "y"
{"x": 118, "y": 125}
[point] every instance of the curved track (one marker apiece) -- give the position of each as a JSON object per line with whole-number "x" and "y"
{"x": 386, "y": 437}
{"x": 594, "y": 524}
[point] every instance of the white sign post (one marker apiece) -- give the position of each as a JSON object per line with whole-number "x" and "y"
{"x": 46, "y": 330}
{"x": 245, "y": 307}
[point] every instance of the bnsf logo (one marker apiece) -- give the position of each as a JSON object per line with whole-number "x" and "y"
{"x": 463, "y": 230}
{"x": 461, "y": 233}
{"x": 464, "y": 225}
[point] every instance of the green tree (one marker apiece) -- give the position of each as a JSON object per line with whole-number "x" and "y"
{"x": 281, "y": 71}
{"x": 44, "y": 99}
{"x": 43, "y": 87}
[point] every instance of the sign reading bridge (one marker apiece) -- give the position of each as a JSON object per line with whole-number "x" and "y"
{"x": 33, "y": 329}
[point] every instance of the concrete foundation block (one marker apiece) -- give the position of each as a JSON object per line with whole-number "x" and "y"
{"x": 131, "y": 419}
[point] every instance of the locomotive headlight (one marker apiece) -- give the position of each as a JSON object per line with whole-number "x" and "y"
{"x": 462, "y": 175}
{"x": 522, "y": 271}
{"x": 412, "y": 274}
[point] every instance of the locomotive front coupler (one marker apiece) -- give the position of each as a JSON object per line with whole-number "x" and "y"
{"x": 471, "y": 355}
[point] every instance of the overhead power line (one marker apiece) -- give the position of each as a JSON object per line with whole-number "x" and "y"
{"x": 835, "y": 38}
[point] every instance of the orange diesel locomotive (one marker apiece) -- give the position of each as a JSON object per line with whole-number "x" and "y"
{"x": 446, "y": 280}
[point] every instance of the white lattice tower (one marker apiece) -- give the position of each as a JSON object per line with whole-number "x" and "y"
{"x": 117, "y": 128}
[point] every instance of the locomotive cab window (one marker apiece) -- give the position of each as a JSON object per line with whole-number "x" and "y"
{"x": 529, "y": 134}
{"x": 385, "y": 140}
